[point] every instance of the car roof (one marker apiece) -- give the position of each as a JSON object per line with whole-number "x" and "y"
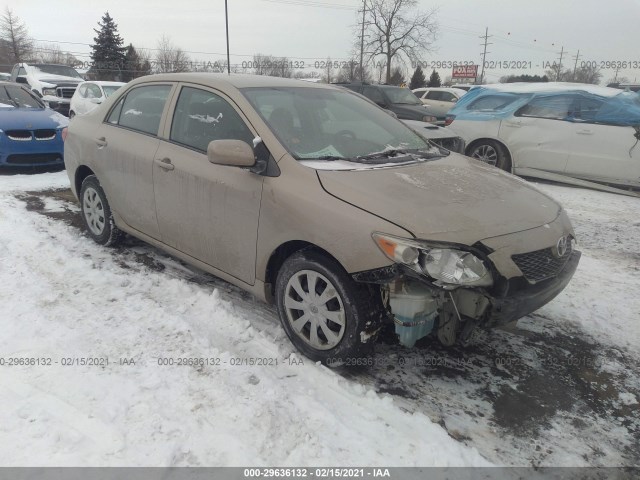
{"x": 103, "y": 82}
{"x": 234, "y": 80}
{"x": 551, "y": 87}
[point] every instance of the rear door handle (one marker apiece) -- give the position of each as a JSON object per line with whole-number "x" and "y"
{"x": 165, "y": 163}
{"x": 101, "y": 142}
{"x": 585, "y": 131}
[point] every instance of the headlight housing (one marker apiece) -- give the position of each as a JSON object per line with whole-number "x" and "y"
{"x": 447, "y": 265}
{"x": 49, "y": 91}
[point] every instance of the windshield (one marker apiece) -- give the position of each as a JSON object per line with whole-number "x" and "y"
{"x": 14, "y": 96}
{"x": 61, "y": 70}
{"x": 318, "y": 123}
{"x": 401, "y": 95}
{"x": 109, "y": 89}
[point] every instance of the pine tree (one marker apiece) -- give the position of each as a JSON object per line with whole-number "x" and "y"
{"x": 418, "y": 79}
{"x": 135, "y": 65}
{"x": 108, "y": 54}
{"x": 434, "y": 80}
{"x": 397, "y": 78}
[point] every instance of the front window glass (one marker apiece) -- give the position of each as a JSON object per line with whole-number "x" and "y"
{"x": 327, "y": 124}
{"x": 401, "y": 96}
{"x": 201, "y": 117}
{"x": 62, "y": 70}
{"x": 492, "y": 102}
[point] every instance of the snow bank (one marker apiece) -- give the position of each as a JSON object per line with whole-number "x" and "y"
{"x": 65, "y": 297}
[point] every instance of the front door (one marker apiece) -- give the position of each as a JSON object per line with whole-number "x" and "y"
{"x": 207, "y": 211}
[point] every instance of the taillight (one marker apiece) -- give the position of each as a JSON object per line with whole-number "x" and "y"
{"x": 64, "y": 134}
{"x": 449, "y": 120}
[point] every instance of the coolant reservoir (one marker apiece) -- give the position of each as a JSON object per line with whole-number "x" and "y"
{"x": 414, "y": 309}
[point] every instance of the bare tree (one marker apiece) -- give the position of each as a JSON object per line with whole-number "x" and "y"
{"x": 350, "y": 72}
{"x": 52, "y": 53}
{"x": 272, "y": 66}
{"x": 14, "y": 36}
{"x": 169, "y": 58}
{"x": 585, "y": 74}
{"x": 397, "y": 31}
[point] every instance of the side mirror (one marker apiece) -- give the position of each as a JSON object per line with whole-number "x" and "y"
{"x": 22, "y": 80}
{"x": 97, "y": 101}
{"x": 235, "y": 153}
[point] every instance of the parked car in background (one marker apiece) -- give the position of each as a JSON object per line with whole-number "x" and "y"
{"x": 442, "y": 137}
{"x": 396, "y": 99}
{"x": 574, "y": 130}
{"x": 317, "y": 200}
{"x": 30, "y": 133}
{"x": 5, "y": 77}
{"x": 89, "y": 95}
{"x": 54, "y": 84}
{"x": 633, "y": 87}
{"x": 439, "y": 100}
{"x": 463, "y": 86}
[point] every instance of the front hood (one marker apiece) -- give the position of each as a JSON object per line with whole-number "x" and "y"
{"x": 410, "y": 112}
{"x": 57, "y": 79}
{"x": 31, "y": 119}
{"x": 456, "y": 199}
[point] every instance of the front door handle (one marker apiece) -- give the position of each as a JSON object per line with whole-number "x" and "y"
{"x": 101, "y": 142}
{"x": 513, "y": 124}
{"x": 165, "y": 163}
{"x": 585, "y": 131}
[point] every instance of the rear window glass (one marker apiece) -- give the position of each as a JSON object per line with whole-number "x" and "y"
{"x": 142, "y": 108}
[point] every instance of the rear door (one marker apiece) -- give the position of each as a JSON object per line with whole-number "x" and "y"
{"x": 538, "y": 134}
{"x": 126, "y": 144}
{"x": 601, "y": 151}
{"x": 435, "y": 104}
{"x": 207, "y": 211}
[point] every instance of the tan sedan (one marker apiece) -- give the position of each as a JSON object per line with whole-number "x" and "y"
{"x": 309, "y": 196}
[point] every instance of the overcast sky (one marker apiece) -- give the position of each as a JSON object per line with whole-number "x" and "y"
{"x": 531, "y": 31}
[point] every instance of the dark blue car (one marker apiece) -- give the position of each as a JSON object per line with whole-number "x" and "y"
{"x": 30, "y": 133}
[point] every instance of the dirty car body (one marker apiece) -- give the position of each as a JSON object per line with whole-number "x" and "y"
{"x": 312, "y": 198}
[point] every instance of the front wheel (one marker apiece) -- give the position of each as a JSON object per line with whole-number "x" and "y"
{"x": 96, "y": 213}
{"x": 326, "y": 314}
{"x": 492, "y": 153}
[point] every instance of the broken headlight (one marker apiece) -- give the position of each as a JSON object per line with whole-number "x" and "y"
{"x": 449, "y": 266}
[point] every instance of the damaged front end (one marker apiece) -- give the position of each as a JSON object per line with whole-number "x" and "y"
{"x": 450, "y": 289}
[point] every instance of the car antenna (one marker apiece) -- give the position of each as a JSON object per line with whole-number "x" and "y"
{"x": 226, "y": 20}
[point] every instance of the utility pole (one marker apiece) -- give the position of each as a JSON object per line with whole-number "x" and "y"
{"x": 486, "y": 37}
{"x": 615, "y": 79}
{"x": 560, "y": 66}
{"x": 575, "y": 66}
{"x": 226, "y": 20}
{"x": 364, "y": 9}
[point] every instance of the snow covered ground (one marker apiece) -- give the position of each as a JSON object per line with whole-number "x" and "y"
{"x": 560, "y": 388}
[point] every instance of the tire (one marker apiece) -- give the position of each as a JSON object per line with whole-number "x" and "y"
{"x": 345, "y": 315}
{"x": 492, "y": 153}
{"x": 96, "y": 213}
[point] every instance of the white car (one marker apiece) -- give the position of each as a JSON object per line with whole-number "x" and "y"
{"x": 89, "y": 95}
{"x": 542, "y": 130}
{"x": 438, "y": 100}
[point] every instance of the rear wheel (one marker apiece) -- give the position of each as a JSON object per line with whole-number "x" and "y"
{"x": 492, "y": 153}
{"x": 96, "y": 213}
{"x": 326, "y": 314}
